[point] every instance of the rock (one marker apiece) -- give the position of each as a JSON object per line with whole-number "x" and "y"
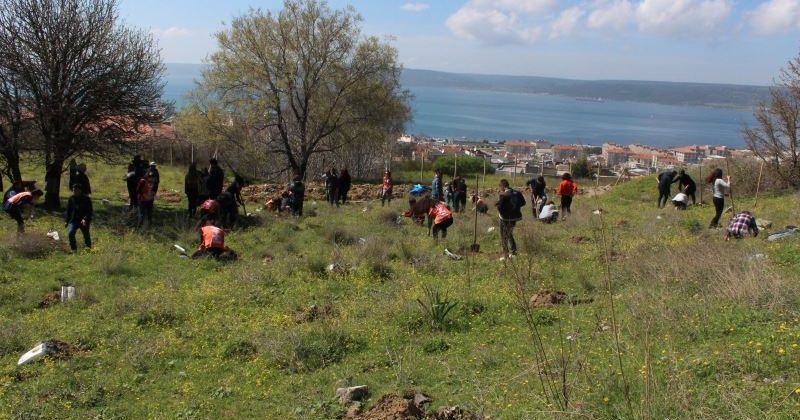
{"x": 455, "y": 413}
{"x": 353, "y": 393}
{"x": 452, "y": 256}
{"x": 763, "y": 224}
{"x": 421, "y": 399}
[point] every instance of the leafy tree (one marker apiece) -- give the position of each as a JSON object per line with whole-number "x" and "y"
{"x": 775, "y": 140}
{"x": 89, "y": 82}
{"x": 463, "y": 164}
{"x": 304, "y": 82}
{"x": 582, "y": 168}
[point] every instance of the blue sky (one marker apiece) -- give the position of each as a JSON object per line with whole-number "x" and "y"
{"x": 726, "y": 41}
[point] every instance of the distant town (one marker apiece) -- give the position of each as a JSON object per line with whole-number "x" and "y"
{"x": 547, "y": 158}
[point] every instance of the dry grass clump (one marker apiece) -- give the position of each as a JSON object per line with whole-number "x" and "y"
{"x": 730, "y": 273}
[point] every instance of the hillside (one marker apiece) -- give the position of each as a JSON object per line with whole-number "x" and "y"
{"x": 180, "y": 78}
{"x": 706, "y": 328}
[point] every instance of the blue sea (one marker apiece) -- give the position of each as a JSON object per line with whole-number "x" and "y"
{"x": 488, "y": 115}
{"x": 478, "y": 115}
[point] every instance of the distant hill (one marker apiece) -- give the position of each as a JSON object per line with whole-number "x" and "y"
{"x": 667, "y": 93}
{"x": 180, "y": 80}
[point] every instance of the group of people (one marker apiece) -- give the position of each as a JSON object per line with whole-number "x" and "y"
{"x": 455, "y": 194}
{"x": 142, "y": 180}
{"x": 337, "y": 186}
{"x": 545, "y": 210}
{"x": 291, "y": 199}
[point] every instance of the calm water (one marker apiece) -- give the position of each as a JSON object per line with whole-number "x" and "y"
{"x": 478, "y": 115}
{"x": 441, "y": 112}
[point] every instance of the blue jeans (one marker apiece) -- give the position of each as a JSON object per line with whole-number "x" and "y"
{"x": 72, "y": 229}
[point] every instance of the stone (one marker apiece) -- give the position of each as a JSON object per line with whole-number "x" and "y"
{"x": 348, "y": 395}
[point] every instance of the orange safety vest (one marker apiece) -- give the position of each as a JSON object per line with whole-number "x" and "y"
{"x": 16, "y": 198}
{"x": 213, "y": 238}
{"x": 440, "y": 213}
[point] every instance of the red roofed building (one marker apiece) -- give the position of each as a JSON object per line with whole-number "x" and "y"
{"x": 520, "y": 147}
{"x": 566, "y": 152}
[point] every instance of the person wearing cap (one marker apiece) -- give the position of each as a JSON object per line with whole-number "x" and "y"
{"x": 18, "y": 203}
{"x": 155, "y": 177}
{"x": 78, "y": 216}
{"x": 82, "y": 179}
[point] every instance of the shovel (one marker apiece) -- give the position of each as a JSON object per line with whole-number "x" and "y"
{"x": 476, "y": 247}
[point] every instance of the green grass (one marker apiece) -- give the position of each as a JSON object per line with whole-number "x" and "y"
{"x": 705, "y": 329}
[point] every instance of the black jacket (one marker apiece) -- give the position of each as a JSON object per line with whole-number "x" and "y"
{"x": 79, "y": 208}
{"x": 216, "y": 177}
{"x": 344, "y": 182}
{"x": 81, "y": 179}
{"x": 510, "y": 205}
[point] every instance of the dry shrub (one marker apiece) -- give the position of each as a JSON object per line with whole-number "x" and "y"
{"x": 113, "y": 260}
{"x": 727, "y": 272}
{"x": 33, "y": 245}
{"x": 744, "y": 177}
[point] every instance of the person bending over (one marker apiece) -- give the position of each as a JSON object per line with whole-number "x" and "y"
{"x": 741, "y": 225}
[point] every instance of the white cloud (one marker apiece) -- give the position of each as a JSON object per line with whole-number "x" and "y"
{"x": 499, "y": 21}
{"x": 415, "y": 7}
{"x": 610, "y": 15}
{"x": 566, "y": 22}
{"x": 172, "y": 32}
{"x": 775, "y": 16}
{"x": 682, "y": 17}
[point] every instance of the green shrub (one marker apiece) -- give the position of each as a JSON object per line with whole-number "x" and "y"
{"x": 315, "y": 350}
{"x": 240, "y": 350}
{"x": 436, "y": 346}
{"x": 436, "y": 307}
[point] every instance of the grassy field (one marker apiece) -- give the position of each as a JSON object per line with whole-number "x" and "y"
{"x": 699, "y": 327}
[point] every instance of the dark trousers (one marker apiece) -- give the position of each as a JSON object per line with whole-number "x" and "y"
{"x": 566, "y": 205}
{"x": 331, "y": 195}
{"x": 663, "y": 197}
{"x": 133, "y": 201}
{"x": 297, "y": 206}
{"x": 691, "y": 193}
{"x": 507, "y": 237}
{"x": 719, "y": 206}
{"x": 441, "y": 227}
{"x": 72, "y": 230}
{"x": 342, "y": 196}
{"x": 386, "y": 196}
{"x": 193, "y": 200}
{"x": 229, "y": 213}
{"x": 16, "y": 214}
{"x": 145, "y": 213}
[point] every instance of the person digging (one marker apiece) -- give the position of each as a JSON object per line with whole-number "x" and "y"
{"x": 212, "y": 242}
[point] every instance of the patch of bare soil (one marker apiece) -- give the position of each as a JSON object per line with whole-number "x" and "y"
{"x": 581, "y": 239}
{"x": 313, "y": 313}
{"x": 392, "y": 407}
{"x": 547, "y": 298}
{"x": 60, "y": 350}
{"x": 50, "y": 299}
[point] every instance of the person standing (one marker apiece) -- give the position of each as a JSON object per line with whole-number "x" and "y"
{"x": 567, "y": 189}
{"x": 73, "y": 169}
{"x": 20, "y": 203}
{"x": 191, "y": 186}
{"x": 386, "y": 191}
{"x": 131, "y": 181}
{"x": 437, "y": 189}
{"x": 719, "y": 189}
{"x": 687, "y": 185}
{"x": 202, "y": 194}
{"x": 331, "y": 187}
{"x": 82, "y": 179}
{"x": 297, "y": 193}
{"x": 665, "y": 181}
{"x": 155, "y": 176}
{"x": 344, "y": 184}
{"x": 460, "y": 194}
{"x": 146, "y": 198}
{"x": 216, "y": 177}
{"x": 78, "y": 216}
{"x": 509, "y": 208}
{"x": 229, "y": 202}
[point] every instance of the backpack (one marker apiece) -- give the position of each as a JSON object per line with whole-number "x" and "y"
{"x": 517, "y": 199}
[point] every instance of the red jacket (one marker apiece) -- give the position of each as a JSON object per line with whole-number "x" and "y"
{"x": 567, "y": 188}
{"x": 440, "y": 213}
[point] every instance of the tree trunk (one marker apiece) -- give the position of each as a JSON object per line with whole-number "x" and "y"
{"x": 12, "y": 160}
{"x": 52, "y": 185}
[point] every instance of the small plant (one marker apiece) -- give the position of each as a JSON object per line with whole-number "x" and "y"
{"x": 240, "y": 350}
{"x": 436, "y": 307}
{"x": 436, "y": 346}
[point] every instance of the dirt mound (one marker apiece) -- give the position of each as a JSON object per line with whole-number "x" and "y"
{"x": 315, "y": 191}
{"x": 581, "y": 239}
{"x": 546, "y": 298}
{"x": 50, "y": 299}
{"x": 313, "y": 313}
{"x": 60, "y": 350}
{"x": 455, "y": 413}
{"x": 169, "y": 196}
{"x": 392, "y": 407}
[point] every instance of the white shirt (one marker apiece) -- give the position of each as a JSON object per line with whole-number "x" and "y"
{"x": 720, "y": 188}
{"x": 681, "y": 197}
{"x": 547, "y": 211}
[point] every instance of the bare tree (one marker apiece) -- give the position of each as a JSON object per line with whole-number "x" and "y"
{"x": 91, "y": 82}
{"x": 776, "y": 139}
{"x": 14, "y": 122}
{"x": 307, "y": 80}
